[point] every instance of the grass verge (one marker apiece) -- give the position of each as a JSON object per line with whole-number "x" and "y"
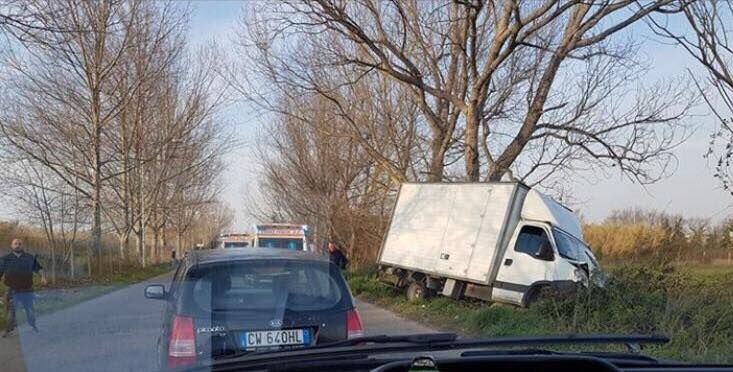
{"x": 67, "y": 292}
{"x": 693, "y": 308}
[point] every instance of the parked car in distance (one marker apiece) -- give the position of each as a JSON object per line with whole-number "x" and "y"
{"x": 223, "y": 302}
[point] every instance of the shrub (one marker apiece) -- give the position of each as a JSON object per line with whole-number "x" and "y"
{"x": 694, "y": 310}
{"x": 695, "y": 313}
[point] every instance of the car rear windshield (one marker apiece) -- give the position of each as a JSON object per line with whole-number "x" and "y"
{"x": 273, "y": 285}
{"x": 236, "y": 245}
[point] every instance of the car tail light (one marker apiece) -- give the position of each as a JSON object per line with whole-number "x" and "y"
{"x": 182, "y": 345}
{"x": 354, "y": 328}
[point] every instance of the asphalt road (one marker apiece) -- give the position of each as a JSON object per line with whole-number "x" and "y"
{"x": 117, "y": 332}
{"x": 113, "y": 332}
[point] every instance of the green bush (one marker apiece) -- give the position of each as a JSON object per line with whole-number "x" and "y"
{"x": 694, "y": 310}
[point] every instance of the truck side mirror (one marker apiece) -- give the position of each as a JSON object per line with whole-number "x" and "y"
{"x": 544, "y": 252}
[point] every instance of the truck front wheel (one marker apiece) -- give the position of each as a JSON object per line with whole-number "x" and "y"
{"x": 417, "y": 292}
{"x": 536, "y": 294}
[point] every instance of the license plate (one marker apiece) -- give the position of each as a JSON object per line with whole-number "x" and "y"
{"x": 285, "y": 337}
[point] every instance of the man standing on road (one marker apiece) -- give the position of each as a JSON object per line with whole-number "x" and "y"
{"x": 336, "y": 256}
{"x": 17, "y": 267}
{"x": 174, "y": 262}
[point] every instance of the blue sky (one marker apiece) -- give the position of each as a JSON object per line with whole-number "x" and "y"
{"x": 690, "y": 191}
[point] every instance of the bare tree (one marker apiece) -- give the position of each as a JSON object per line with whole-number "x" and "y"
{"x": 61, "y": 108}
{"x": 707, "y": 38}
{"x": 103, "y": 100}
{"x": 483, "y": 74}
{"x": 316, "y": 170}
{"x": 186, "y": 208}
{"x": 20, "y": 18}
{"x": 142, "y": 131}
{"x": 70, "y": 88}
{"x": 45, "y": 201}
{"x": 212, "y": 222}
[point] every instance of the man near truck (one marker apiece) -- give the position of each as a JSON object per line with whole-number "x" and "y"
{"x": 337, "y": 256}
{"x": 17, "y": 268}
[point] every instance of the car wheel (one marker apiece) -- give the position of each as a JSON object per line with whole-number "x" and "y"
{"x": 417, "y": 292}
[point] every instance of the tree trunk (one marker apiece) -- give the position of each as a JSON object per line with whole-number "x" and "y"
{"x": 97, "y": 223}
{"x": 72, "y": 266}
{"x": 179, "y": 241}
{"x": 471, "y": 154}
{"x": 164, "y": 238}
{"x": 97, "y": 177}
{"x": 355, "y": 256}
{"x": 437, "y": 157}
{"x": 53, "y": 263}
{"x": 142, "y": 223}
{"x": 123, "y": 240}
{"x": 140, "y": 240}
{"x": 156, "y": 245}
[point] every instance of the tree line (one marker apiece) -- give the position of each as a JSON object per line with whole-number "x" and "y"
{"x": 367, "y": 94}
{"x": 109, "y": 126}
{"x": 634, "y": 234}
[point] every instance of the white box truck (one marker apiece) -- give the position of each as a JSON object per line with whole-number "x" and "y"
{"x": 499, "y": 241}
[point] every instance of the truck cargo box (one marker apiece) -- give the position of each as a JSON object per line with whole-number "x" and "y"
{"x": 455, "y": 230}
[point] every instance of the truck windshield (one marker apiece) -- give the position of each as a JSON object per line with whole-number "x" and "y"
{"x": 281, "y": 243}
{"x": 568, "y": 246}
{"x": 236, "y": 245}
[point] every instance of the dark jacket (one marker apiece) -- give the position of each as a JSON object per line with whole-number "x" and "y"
{"x": 18, "y": 271}
{"x": 338, "y": 258}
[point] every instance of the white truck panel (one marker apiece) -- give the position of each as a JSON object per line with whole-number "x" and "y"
{"x": 495, "y": 216}
{"x": 417, "y": 227}
{"x": 452, "y": 230}
{"x": 499, "y": 220}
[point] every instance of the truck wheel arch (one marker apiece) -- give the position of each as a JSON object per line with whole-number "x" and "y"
{"x": 531, "y": 295}
{"x": 557, "y": 289}
{"x": 417, "y": 277}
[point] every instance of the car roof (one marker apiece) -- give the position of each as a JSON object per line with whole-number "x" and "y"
{"x": 252, "y": 253}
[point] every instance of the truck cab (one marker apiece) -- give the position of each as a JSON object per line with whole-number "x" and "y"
{"x": 546, "y": 251}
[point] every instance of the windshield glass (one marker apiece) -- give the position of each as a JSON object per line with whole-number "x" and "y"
{"x": 170, "y": 169}
{"x": 264, "y": 286}
{"x": 281, "y": 243}
{"x": 569, "y": 246}
{"x": 236, "y": 245}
